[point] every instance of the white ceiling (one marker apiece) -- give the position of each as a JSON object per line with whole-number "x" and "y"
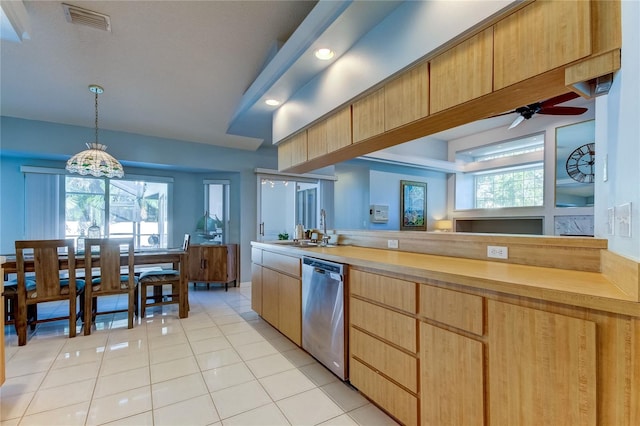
{"x": 196, "y": 71}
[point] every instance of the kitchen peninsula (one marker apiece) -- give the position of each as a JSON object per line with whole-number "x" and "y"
{"x": 438, "y": 335}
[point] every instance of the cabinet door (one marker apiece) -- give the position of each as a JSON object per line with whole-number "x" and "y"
{"x": 196, "y": 264}
{"x": 216, "y": 263}
{"x": 270, "y": 297}
{"x": 317, "y": 140}
{"x": 463, "y": 72}
{"x": 540, "y": 37}
{"x": 542, "y": 367}
{"x": 285, "y": 150}
{"x": 406, "y": 98}
{"x": 256, "y": 288}
{"x": 290, "y": 309}
{"x": 339, "y": 129}
{"x": 452, "y": 378}
{"x": 368, "y": 116}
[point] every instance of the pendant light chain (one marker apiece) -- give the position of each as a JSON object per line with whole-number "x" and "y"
{"x": 96, "y": 116}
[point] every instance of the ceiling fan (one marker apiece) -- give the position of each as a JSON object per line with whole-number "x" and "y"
{"x": 545, "y": 107}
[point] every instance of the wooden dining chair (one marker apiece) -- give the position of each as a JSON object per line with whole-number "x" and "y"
{"x": 45, "y": 284}
{"x": 168, "y": 288}
{"x": 103, "y": 263}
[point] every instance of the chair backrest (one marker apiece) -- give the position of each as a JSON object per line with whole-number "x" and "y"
{"x": 185, "y": 242}
{"x": 48, "y": 256}
{"x": 105, "y": 254}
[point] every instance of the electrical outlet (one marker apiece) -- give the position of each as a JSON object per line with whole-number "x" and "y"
{"x": 498, "y": 252}
{"x": 392, "y": 243}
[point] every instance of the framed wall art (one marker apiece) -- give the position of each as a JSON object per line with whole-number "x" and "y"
{"x": 413, "y": 206}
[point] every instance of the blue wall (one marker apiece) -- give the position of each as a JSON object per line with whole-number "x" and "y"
{"x": 362, "y": 183}
{"x": 37, "y": 143}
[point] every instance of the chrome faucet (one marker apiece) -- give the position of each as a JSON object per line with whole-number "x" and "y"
{"x": 323, "y": 223}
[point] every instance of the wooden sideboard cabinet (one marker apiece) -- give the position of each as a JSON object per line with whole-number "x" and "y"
{"x": 212, "y": 264}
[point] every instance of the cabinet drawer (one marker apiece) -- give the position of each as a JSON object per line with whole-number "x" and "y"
{"x": 389, "y": 325}
{"x": 393, "y": 292}
{"x": 256, "y": 255}
{"x": 395, "y": 400}
{"x": 280, "y": 262}
{"x": 397, "y": 365}
{"x": 460, "y": 310}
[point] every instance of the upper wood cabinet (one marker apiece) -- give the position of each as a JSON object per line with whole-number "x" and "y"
{"x": 540, "y": 37}
{"x": 339, "y": 129}
{"x": 462, "y": 73}
{"x": 292, "y": 151}
{"x": 330, "y": 134}
{"x": 317, "y": 140}
{"x": 368, "y": 116}
{"x": 406, "y": 98}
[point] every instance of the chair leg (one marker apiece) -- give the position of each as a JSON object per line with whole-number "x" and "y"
{"x": 21, "y": 321}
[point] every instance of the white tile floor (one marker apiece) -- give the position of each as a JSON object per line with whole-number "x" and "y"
{"x": 223, "y": 365}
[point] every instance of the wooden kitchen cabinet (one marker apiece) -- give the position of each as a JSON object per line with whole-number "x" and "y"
{"x": 452, "y": 377}
{"x": 383, "y": 361}
{"x": 463, "y": 72}
{"x": 279, "y": 280}
{"x": 542, "y": 367}
{"x": 290, "y": 307}
{"x": 330, "y": 134}
{"x": 271, "y": 297}
{"x": 256, "y": 288}
{"x": 368, "y": 116}
{"x": 293, "y": 150}
{"x": 339, "y": 130}
{"x": 540, "y": 37}
{"x": 212, "y": 263}
{"x": 406, "y": 98}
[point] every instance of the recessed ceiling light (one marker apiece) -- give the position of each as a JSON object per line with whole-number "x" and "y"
{"x": 272, "y": 102}
{"x": 324, "y": 54}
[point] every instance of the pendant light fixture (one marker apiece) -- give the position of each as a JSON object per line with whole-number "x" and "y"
{"x": 95, "y": 160}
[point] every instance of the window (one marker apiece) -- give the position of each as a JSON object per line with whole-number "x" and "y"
{"x": 516, "y": 188}
{"x": 135, "y": 207}
{"x": 217, "y": 206}
{"x": 501, "y": 175}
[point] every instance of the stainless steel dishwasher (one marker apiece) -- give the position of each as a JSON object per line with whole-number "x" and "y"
{"x": 323, "y": 324}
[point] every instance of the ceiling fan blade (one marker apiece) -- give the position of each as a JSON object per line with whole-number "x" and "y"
{"x": 517, "y": 121}
{"x": 504, "y": 113}
{"x": 562, "y": 111}
{"x": 559, "y": 99}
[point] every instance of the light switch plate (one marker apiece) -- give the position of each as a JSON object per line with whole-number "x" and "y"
{"x": 623, "y": 215}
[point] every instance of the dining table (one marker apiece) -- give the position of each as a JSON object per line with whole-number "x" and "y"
{"x": 144, "y": 260}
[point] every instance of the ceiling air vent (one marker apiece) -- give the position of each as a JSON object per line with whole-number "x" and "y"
{"x": 77, "y": 15}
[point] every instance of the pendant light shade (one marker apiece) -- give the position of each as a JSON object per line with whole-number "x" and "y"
{"x": 95, "y": 160}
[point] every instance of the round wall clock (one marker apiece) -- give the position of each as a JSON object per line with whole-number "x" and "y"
{"x": 581, "y": 163}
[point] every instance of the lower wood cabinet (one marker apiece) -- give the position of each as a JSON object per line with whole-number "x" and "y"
{"x": 383, "y": 362}
{"x": 256, "y": 288}
{"x": 452, "y": 377}
{"x": 277, "y": 296}
{"x": 212, "y": 263}
{"x": 394, "y": 399}
{"x": 542, "y": 367}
